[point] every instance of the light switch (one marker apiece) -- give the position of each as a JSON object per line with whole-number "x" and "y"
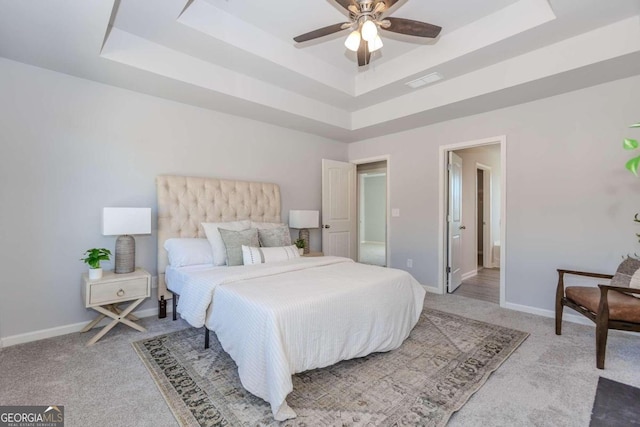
{"x": 395, "y": 212}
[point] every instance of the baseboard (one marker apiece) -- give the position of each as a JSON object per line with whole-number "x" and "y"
{"x": 573, "y": 318}
{"x": 468, "y": 274}
{"x": 66, "y": 329}
{"x": 432, "y": 289}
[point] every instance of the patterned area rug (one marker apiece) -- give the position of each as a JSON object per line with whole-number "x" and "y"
{"x": 444, "y": 361}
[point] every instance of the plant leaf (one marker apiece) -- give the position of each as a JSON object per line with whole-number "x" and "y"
{"x": 635, "y": 125}
{"x": 632, "y": 165}
{"x": 630, "y": 144}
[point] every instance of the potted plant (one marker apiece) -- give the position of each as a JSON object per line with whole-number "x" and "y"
{"x": 92, "y": 259}
{"x": 300, "y": 243}
{"x": 633, "y": 164}
{"x": 632, "y": 144}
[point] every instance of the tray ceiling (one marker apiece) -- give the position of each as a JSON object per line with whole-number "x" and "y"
{"x": 239, "y": 57}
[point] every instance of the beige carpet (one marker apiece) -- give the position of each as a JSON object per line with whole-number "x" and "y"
{"x": 444, "y": 361}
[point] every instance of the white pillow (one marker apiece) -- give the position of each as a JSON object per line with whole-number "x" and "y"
{"x": 253, "y": 255}
{"x": 185, "y": 251}
{"x": 217, "y": 245}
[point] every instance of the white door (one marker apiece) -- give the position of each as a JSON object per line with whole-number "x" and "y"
{"x": 339, "y": 218}
{"x": 454, "y": 220}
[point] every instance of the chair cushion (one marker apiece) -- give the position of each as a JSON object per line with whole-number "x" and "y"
{"x": 622, "y": 307}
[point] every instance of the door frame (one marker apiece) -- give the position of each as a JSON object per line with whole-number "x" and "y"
{"x": 442, "y": 201}
{"x": 487, "y": 259}
{"x": 386, "y": 158}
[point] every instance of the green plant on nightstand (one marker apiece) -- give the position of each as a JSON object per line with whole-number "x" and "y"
{"x": 300, "y": 243}
{"x": 92, "y": 258}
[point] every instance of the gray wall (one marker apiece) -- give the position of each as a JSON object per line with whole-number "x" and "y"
{"x": 71, "y": 147}
{"x": 569, "y": 200}
{"x": 375, "y": 206}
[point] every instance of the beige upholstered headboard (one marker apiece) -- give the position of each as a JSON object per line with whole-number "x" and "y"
{"x": 185, "y": 202}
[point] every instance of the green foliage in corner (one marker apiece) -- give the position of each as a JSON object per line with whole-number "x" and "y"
{"x": 299, "y": 243}
{"x": 95, "y": 255}
{"x": 632, "y": 144}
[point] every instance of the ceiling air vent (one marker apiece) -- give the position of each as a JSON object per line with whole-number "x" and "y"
{"x": 424, "y": 80}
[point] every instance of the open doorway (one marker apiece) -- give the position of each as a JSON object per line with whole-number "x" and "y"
{"x": 372, "y": 212}
{"x": 473, "y": 222}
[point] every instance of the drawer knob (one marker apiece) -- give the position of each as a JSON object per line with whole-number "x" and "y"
{"x": 120, "y": 293}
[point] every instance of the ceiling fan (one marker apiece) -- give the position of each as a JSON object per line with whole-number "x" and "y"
{"x": 366, "y": 16}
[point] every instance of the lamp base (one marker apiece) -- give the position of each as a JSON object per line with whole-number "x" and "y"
{"x": 125, "y": 254}
{"x": 304, "y": 235}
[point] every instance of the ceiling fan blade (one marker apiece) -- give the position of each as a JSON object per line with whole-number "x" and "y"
{"x": 346, "y": 3}
{"x": 412, "y": 28}
{"x": 363, "y": 54}
{"x": 321, "y": 32}
{"x": 389, "y": 3}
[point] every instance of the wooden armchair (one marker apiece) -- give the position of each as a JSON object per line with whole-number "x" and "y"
{"x": 609, "y": 307}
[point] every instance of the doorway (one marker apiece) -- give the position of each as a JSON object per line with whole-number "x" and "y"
{"x": 350, "y": 228}
{"x": 372, "y": 213}
{"x": 468, "y": 238}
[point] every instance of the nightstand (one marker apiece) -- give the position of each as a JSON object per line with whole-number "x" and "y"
{"x": 314, "y": 254}
{"x": 105, "y": 294}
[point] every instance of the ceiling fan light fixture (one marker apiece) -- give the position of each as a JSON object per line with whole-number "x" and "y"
{"x": 376, "y": 44}
{"x": 369, "y": 30}
{"x": 353, "y": 41}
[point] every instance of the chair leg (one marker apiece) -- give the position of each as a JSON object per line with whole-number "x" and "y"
{"x": 602, "y": 327}
{"x": 601, "y": 345}
{"x": 559, "y": 304}
{"x": 559, "y": 311}
{"x": 206, "y": 337}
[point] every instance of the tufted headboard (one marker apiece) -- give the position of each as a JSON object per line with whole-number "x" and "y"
{"x": 184, "y": 202}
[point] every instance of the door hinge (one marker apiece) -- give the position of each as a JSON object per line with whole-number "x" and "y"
{"x": 448, "y": 269}
{"x": 449, "y": 166}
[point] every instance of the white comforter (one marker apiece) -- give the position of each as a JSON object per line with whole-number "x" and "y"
{"x": 278, "y": 319}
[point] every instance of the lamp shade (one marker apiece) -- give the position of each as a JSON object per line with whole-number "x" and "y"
{"x": 375, "y": 44}
{"x": 304, "y": 219}
{"x": 118, "y": 221}
{"x": 369, "y": 30}
{"x": 353, "y": 41}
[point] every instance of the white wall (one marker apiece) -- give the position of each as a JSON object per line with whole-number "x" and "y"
{"x": 71, "y": 147}
{"x": 569, "y": 200}
{"x": 488, "y": 156}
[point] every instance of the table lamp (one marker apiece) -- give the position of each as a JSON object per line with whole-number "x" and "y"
{"x": 304, "y": 220}
{"x": 123, "y": 222}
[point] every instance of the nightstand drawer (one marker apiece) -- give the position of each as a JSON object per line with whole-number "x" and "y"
{"x": 118, "y": 291}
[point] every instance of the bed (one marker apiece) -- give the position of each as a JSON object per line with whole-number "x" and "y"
{"x": 277, "y": 319}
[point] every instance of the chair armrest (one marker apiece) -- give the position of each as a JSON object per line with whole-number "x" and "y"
{"x": 623, "y": 289}
{"x": 560, "y": 288}
{"x": 584, "y": 273}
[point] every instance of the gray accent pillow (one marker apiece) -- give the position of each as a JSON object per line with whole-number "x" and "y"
{"x": 274, "y": 237}
{"x": 233, "y": 241}
{"x": 628, "y": 274}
